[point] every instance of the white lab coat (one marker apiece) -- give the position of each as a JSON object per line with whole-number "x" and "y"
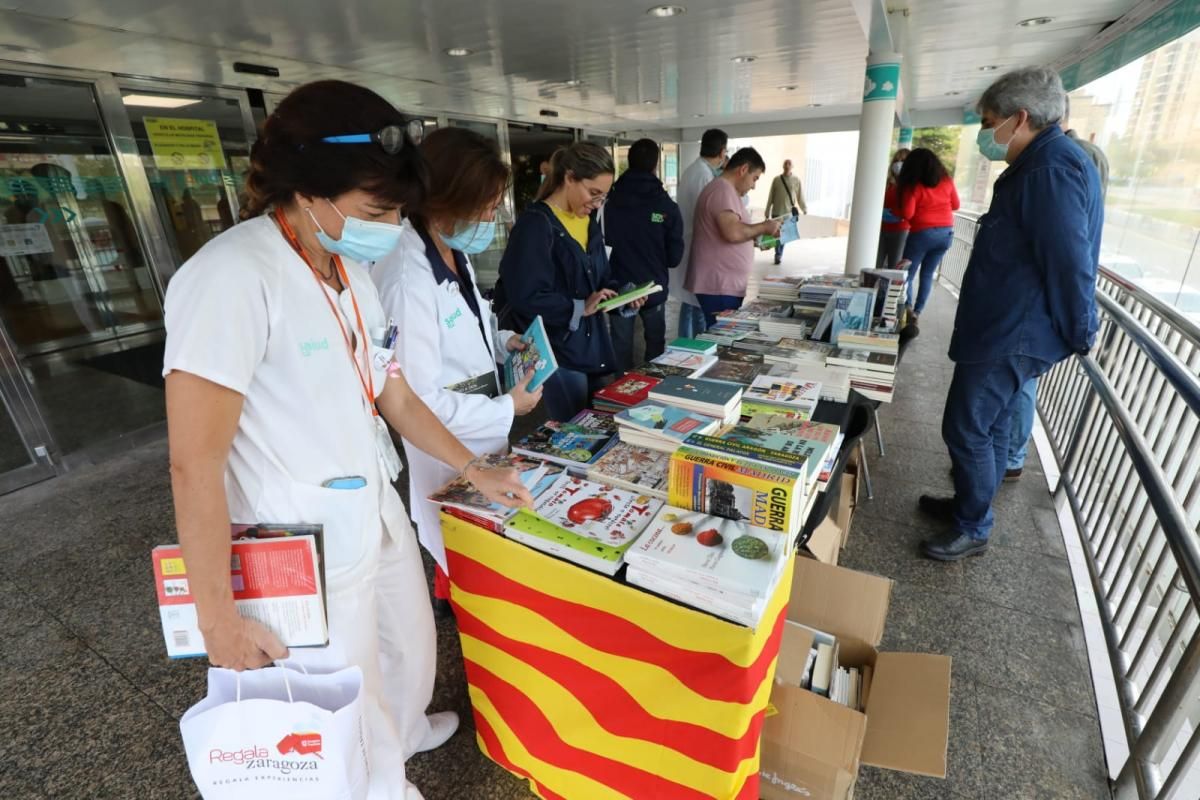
{"x": 246, "y": 313}
{"x": 439, "y": 344}
{"x": 698, "y": 175}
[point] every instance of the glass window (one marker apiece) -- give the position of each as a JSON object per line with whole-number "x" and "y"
{"x": 77, "y": 298}
{"x": 196, "y": 154}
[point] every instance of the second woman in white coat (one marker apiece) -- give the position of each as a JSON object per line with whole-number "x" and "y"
{"x": 448, "y": 343}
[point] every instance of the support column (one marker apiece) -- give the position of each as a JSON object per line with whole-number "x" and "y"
{"x": 688, "y": 152}
{"x": 870, "y": 173}
{"x": 905, "y": 139}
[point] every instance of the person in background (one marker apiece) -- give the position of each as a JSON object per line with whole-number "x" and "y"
{"x": 926, "y": 199}
{"x": 894, "y": 230}
{"x": 722, "y": 253}
{"x": 643, "y": 226}
{"x": 1028, "y": 295}
{"x": 555, "y": 266}
{"x": 786, "y": 197}
{"x": 447, "y": 341}
{"x": 1022, "y": 420}
{"x": 713, "y": 155}
{"x": 278, "y": 388}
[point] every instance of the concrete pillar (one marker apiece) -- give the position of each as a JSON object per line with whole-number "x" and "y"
{"x": 905, "y": 139}
{"x": 688, "y": 152}
{"x": 870, "y": 173}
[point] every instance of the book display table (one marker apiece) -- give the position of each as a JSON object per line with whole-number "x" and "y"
{"x": 594, "y": 690}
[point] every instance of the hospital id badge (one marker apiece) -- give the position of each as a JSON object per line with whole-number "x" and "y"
{"x": 389, "y": 459}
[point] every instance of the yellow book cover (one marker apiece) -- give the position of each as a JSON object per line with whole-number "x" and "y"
{"x": 735, "y": 488}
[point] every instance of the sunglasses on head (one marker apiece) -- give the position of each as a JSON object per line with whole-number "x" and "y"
{"x": 390, "y": 138}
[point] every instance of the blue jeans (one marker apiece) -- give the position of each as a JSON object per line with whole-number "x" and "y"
{"x": 1022, "y": 424}
{"x": 980, "y": 405}
{"x": 925, "y": 249}
{"x": 654, "y": 323}
{"x": 691, "y": 321}
{"x": 778, "y": 252}
{"x": 566, "y": 393}
{"x": 714, "y": 304}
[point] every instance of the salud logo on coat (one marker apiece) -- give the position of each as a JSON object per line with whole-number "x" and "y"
{"x": 450, "y": 320}
{"x": 302, "y": 744}
{"x": 656, "y": 217}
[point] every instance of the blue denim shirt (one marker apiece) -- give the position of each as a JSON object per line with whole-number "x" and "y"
{"x": 1029, "y": 288}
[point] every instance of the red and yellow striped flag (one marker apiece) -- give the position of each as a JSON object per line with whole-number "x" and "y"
{"x": 593, "y": 690}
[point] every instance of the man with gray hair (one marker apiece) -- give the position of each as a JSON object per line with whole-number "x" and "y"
{"x": 1028, "y": 294}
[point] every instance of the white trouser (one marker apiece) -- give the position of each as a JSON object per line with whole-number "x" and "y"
{"x": 380, "y": 619}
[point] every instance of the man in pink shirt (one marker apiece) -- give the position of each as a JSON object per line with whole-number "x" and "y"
{"x": 722, "y": 253}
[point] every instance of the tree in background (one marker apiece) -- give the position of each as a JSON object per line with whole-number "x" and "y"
{"x": 943, "y": 141}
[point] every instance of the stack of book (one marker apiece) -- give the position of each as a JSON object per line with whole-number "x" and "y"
{"x": 846, "y": 310}
{"x": 636, "y": 469}
{"x": 834, "y": 381}
{"x": 821, "y": 442}
{"x": 780, "y": 287}
{"x": 722, "y": 566}
{"x": 795, "y": 327}
{"x": 575, "y": 444}
{"x": 626, "y": 391}
{"x": 799, "y": 352}
{"x": 735, "y": 371}
{"x": 871, "y": 341}
{"x": 695, "y": 364}
{"x": 661, "y": 426}
{"x": 660, "y": 371}
{"x": 798, "y": 396}
{"x": 766, "y": 496}
{"x": 872, "y": 374}
{"x": 590, "y": 524}
{"x": 889, "y": 286}
{"x": 817, "y": 289}
{"x": 731, "y": 353}
{"x": 728, "y": 330}
{"x": 460, "y": 498}
{"x": 704, "y": 397}
{"x": 757, "y": 342}
{"x": 698, "y": 346}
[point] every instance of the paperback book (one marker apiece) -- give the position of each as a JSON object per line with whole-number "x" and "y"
{"x": 537, "y": 357}
{"x": 460, "y": 494}
{"x": 694, "y": 363}
{"x": 652, "y": 370}
{"x": 628, "y": 390}
{"x": 575, "y": 444}
{"x": 636, "y": 469}
{"x": 710, "y": 398}
{"x": 737, "y": 488}
{"x": 798, "y": 394}
{"x": 737, "y": 372}
{"x": 625, "y": 298}
{"x": 692, "y": 346}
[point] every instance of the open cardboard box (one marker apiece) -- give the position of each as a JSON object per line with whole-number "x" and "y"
{"x": 813, "y": 746}
{"x": 829, "y": 538}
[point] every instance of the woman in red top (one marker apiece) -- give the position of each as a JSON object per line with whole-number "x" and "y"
{"x": 894, "y": 231}
{"x": 927, "y": 201}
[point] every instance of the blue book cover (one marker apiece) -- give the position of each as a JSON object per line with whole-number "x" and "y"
{"x": 852, "y": 311}
{"x": 537, "y": 357}
{"x": 697, "y": 390}
{"x": 666, "y": 420}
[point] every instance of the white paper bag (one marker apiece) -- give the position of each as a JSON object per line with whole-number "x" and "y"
{"x": 276, "y": 732}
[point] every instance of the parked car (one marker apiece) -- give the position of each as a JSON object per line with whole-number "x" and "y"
{"x": 1123, "y": 265}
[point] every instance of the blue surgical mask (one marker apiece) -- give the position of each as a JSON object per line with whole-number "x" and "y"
{"x": 471, "y": 237}
{"x": 989, "y": 147}
{"x": 361, "y": 240}
{"x": 896, "y": 167}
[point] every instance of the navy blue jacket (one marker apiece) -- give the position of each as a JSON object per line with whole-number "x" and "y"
{"x": 644, "y": 228}
{"x": 545, "y": 271}
{"x": 1029, "y": 288}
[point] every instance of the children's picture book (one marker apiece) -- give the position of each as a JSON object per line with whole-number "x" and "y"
{"x": 460, "y": 493}
{"x": 573, "y": 444}
{"x": 637, "y": 469}
{"x": 666, "y": 420}
{"x": 537, "y": 357}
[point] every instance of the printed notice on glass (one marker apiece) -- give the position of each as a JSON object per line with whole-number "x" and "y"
{"x": 26, "y": 239}
{"x": 184, "y": 143}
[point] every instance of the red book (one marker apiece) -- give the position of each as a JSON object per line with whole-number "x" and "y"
{"x": 628, "y": 390}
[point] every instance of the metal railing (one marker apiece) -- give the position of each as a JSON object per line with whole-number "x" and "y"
{"x": 1124, "y": 423}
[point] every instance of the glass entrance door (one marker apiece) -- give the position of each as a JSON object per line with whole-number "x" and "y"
{"x": 24, "y": 441}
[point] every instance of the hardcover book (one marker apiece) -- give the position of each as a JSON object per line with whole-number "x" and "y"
{"x": 628, "y": 390}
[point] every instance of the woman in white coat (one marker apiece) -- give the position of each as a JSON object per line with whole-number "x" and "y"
{"x": 448, "y": 343}
{"x": 278, "y": 388}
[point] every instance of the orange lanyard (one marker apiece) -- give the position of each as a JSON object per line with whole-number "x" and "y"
{"x": 367, "y": 383}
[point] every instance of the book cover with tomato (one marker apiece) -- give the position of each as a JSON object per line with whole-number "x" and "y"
{"x": 597, "y": 511}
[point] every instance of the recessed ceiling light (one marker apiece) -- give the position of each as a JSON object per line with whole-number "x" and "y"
{"x": 1034, "y": 22}
{"x": 989, "y": 68}
{"x": 666, "y": 11}
{"x": 787, "y": 88}
{"x": 743, "y": 59}
{"x": 157, "y": 101}
{"x": 458, "y": 52}
{"x": 649, "y": 102}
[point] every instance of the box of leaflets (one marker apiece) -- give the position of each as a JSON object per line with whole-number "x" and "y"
{"x": 897, "y": 715}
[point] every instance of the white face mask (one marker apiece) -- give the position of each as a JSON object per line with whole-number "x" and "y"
{"x": 896, "y": 167}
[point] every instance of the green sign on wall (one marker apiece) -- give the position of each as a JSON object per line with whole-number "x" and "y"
{"x": 1167, "y": 25}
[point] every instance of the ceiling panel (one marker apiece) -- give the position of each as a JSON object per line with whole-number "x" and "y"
{"x": 636, "y": 70}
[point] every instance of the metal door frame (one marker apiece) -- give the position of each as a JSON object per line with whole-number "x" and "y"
{"x": 17, "y": 401}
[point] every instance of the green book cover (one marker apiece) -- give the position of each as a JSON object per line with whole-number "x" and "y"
{"x": 692, "y": 345}
{"x": 646, "y": 289}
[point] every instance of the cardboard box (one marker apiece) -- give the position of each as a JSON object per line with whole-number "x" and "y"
{"x": 829, "y": 538}
{"x": 812, "y": 747}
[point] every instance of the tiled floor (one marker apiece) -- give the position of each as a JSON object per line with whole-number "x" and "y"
{"x": 89, "y": 704}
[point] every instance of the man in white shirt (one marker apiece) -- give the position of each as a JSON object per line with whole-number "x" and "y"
{"x": 699, "y": 174}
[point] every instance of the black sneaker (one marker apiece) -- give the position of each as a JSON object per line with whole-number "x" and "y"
{"x": 953, "y": 547}
{"x": 940, "y": 508}
{"x": 1011, "y": 475}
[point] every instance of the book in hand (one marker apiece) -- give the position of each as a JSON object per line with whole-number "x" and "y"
{"x": 738, "y": 488}
{"x": 575, "y": 444}
{"x": 590, "y": 524}
{"x": 661, "y": 426}
{"x": 277, "y": 574}
{"x": 628, "y": 390}
{"x": 461, "y": 495}
{"x": 721, "y": 566}
{"x": 710, "y": 398}
{"x": 627, "y": 297}
{"x": 637, "y": 469}
{"x": 693, "y": 346}
{"x": 537, "y": 357}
